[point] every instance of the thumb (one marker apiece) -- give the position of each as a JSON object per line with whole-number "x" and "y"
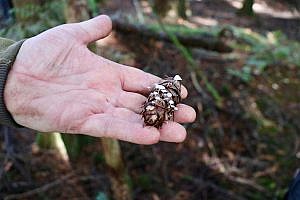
{"x": 95, "y": 29}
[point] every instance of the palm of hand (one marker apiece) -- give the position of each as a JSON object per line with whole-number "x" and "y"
{"x": 57, "y": 84}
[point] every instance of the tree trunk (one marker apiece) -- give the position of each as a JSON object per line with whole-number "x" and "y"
{"x": 161, "y": 8}
{"x": 118, "y": 174}
{"x": 182, "y": 8}
{"x": 177, "y": 7}
{"x": 247, "y": 8}
{"x": 76, "y": 11}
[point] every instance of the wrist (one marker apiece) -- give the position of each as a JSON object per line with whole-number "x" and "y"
{"x": 7, "y": 59}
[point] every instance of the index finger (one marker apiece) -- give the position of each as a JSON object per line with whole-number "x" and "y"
{"x": 136, "y": 80}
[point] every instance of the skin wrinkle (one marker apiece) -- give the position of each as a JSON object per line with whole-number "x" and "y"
{"x": 76, "y": 126}
{"x": 112, "y": 127}
{"x": 73, "y": 125}
{"x": 37, "y": 95}
{"x": 30, "y": 76}
{"x": 66, "y": 116}
{"x": 66, "y": 29}
{"x": 124, "y": 113}
{"x": 118, "y": 100}
{"x": 20, "y": 108}
{"x": 86, "y": 33}
{"x": 69, "y": 102}
{"x": 72, "y": 80}
{"x": 28, "y": 111}
{"x": 124, "y": 80}
{"x": 65, "y": 91}
{"x": 65, "y": 54}
{"x": 34, "y": 78}
{"x": 104, "y": 109}
{"x": 61, "y": 78}
{"x": 98, "y": 98}
{"x": 121, "y": 75}
{"x": 108, "y": 123}
{"x": 113, "y": 113}
{"x": 57, "y": 80}
{"x": 59, "y": 120}
{"x": 62, "y": 58}
{"x": 97, "y": 84}
{"x": 132, "y": 101}
{"x": 30, "y": 68}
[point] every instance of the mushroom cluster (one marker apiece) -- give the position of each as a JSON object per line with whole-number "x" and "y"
{"x": 161, "y": 103}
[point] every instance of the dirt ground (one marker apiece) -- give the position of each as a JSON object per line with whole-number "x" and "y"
{"x": 248, "y": 149}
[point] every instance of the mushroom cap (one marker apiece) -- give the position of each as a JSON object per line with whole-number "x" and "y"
{"x": 177, "y": 78}
{"x": 160, "y": 87}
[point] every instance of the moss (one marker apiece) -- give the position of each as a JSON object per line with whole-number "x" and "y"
{"x": 183, "y": 30}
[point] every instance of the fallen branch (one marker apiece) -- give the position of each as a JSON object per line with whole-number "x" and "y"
{"x": 199, "y": 88}
{"x": 41, "y": 189}
{"x": 206, "y": 41}
{"x": 247, "y": 182}
{"x": 202, "y": 184}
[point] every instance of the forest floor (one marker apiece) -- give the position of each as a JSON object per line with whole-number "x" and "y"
{"x": 247, "y": 149}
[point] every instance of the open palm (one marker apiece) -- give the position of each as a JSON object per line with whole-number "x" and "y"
{"x": 58, "y": 84}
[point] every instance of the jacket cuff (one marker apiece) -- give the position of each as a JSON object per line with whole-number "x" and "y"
{"x": 7, "y": 58}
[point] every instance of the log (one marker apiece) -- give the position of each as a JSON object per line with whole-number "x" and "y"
{"x": 205, "y": 40}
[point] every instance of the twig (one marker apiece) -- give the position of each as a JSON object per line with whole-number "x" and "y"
{"x": 42, "y": 189}
{"x": 197, "y": 86}
{"x": 246, "y": 182}
{"x": 206, "y": 183}
{"x": 213, "y": 151}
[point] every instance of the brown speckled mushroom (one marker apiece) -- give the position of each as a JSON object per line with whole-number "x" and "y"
{"x": 161, "y": 103}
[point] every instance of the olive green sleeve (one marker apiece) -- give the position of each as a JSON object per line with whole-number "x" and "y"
{"x": 8, "y": 53}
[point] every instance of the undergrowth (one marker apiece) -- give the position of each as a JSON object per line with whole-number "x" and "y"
{"x": 33, "y": 19}
{"x": 272, "y": 49}
{"x": 263, "y": 51}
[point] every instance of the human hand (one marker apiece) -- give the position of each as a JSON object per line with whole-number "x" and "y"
{"x": 58, "y": 84}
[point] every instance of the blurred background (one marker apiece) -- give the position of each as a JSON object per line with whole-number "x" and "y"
{"x": 239, "y": 59}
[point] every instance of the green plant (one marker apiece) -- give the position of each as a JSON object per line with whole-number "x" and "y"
{"x": 183, "y": 30}
{"x": 264, "y": 51}
{"x": 101, "y": 196}
{"x": 52, "y": 141}
{"x": 93, "y": 7}
{"x": 244, "y": 74}
{"x": 34, "y": 19}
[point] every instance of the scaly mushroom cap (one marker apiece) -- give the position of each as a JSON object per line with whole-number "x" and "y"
{"x": 162, "y": 101}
